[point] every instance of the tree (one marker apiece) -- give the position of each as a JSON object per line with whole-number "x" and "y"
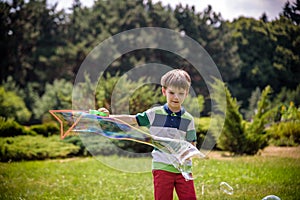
{"x": 255, "y": 48}
{"x": 285, "y": 96}
{"x": 40, "y": 44}
{"x": 255, "y": 95}
{"x": 232, "y": 137}
{"x": 256, "y": 137}
{"x": 292, "y": 11}
{"x": 238, "y": 136}
{"x": 31, "y": 35}
{"x": 268, "y": 53}
{"x": 286, "y": 54}
{"x": 57, "y": 96}
{"x": 13, "y": 106}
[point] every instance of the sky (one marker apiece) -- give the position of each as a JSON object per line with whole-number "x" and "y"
{"x": 229, "y": 9}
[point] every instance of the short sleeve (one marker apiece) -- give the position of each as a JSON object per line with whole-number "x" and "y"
{"x": 142, "y": 119}
{"x": 191, "y": 136}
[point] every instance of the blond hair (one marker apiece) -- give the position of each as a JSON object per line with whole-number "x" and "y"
{"x": 176, "y": 78}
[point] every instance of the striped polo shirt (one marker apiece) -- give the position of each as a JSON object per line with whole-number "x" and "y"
{"x": 162, "y": 122}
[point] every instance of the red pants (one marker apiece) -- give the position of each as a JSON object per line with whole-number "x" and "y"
{"x": 165, "y": 182}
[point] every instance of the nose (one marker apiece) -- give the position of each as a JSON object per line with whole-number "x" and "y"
{"x": 176, "y": 96}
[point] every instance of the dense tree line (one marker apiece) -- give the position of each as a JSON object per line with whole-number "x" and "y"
{"x": 42, "y": 48}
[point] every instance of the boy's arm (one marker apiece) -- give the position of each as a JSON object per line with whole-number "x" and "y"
{"x": 129, "y": 119}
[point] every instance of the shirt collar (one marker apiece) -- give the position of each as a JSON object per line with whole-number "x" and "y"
{"x": 178, "y": 114}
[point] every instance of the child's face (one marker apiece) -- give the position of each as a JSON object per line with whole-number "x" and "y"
{"x": 175, "y": 97}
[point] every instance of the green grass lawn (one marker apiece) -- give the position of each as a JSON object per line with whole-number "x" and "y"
{"x": 88, "y": 178}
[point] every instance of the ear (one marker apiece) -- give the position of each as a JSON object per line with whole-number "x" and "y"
{"x": 163, "y": 90}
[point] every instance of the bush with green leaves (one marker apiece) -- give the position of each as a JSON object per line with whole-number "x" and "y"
{"x": 76, "y": 140}
{"x": 285, "y": 96}
{"x": 13, "y": 106}
{"x": 238, "y": 136}
{"x": 232, "y": 137}
{"x": 57, "y": 96}
{"x": 11, "y": 128}
{"x": 202, "y": 125}
{"x": 35, "y": 148}
{"x": 286, "y": 132}
{"x": 96, "y": 145}
{"x": 255, "y": 131}
{"x": 46, "y": 129}
{"x": 123, "y": 95}
{"x": 194, "y": 105}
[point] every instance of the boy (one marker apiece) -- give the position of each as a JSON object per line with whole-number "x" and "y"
{"x": 171, "y": 121}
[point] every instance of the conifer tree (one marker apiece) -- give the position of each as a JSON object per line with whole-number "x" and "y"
{"x": 232, "y": 137}
{"x": 237, "y": 136}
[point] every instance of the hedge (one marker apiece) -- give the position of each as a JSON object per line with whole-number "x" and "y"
{"x": 35, "y": 148}
{"x": 10, "y": 128}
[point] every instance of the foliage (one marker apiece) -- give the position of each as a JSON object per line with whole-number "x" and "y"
{"x": 76, "y": 140}
{"x": 285, "y": 96}
{"x": 56, "y": 96}
{"x": 202, "y": 125}
{"x": 255, "y": 131}
{"x": 13, "y": 106}
{"x": 276, "y": 64}
{"x": 255, "y": 95}
{"x": 98, "y": 145}
{"x": 40, "y": 44}
{"x": 42, "y": 49}
{"x": 29, "y": 94}
{"x": 292, "y": 11}
{"x": 238, "y": 136}
{"x": 232, "y": 137}
{"x": 284, "y": 133}
{"x": 287, "y": 131}
{"x": 34, "y": 148}
{"x": 45, "y": 129}
{"x": 31, "y": 32}
{"x": 194, "y": 105}
{"x": 292, "y": 113}
{"x": 10, "y": 128}
{"x": 124, "y": 96}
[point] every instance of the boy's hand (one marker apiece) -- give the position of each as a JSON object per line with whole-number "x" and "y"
{"x": 104, "y": 110}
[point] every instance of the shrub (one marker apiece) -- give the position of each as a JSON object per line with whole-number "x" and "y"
{"x": 285, "y": 133}
{"x": 97, "y": 145}
{"x": 204, "y": 139}
{"x": 10, "y": 128}
{"x": 237, "y": 136}
{"x": 46, "y": 129}
{"x": 75, "y": 140}
{"x": 13, "y": 106}
{"x": 34, "y": 148}
{"x": 255, "y": 131}
{"x": 56, "y": 96}
{"x": 232, "y": 137}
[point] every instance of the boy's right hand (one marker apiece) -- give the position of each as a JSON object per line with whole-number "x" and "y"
{"x": 104, "y": 110}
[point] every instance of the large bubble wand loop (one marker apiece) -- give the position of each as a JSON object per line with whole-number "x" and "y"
{"x": 179, "y": 152}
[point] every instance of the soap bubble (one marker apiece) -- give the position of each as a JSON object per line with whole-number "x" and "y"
{"x": 271, "y": 197}
{"x": 226, "y": 188}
